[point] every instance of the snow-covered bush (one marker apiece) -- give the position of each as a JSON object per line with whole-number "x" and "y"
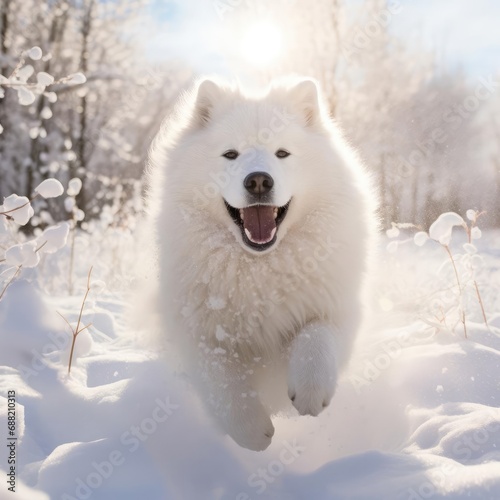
{"x": 78, "y": 99}
{"x": 454, "y": 296}
{"x": 28, "y": 84}
{"x": 21, "y": 251}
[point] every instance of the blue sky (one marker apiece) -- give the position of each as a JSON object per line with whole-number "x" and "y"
{"x": 464, "y": 33}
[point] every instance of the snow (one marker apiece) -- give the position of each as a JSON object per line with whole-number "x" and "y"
{"x": 44, "y": 78}
{"x": 54, "y": 237}
{"x": 476, "y": 233}
{"x": 18, "y": 208}
{"x": 25, "y": 96}
{"x": 83, "y": 344}
{"x": 46, "y": 113}
{"x": 35, "y": 53}
{"x": 470, "y": 248}
{"x": 220, "y": 333}
{"x": 416, "y": 416}
{"x": 471, "y": 214}
{"x": 22, "y": 255}
{"x": 50, "y": 188}
{"x": 69, "y": 204}
{"x": 393, "y": 232}
{"x": 79, "y": 215}
{"x": 51, "y": 96}
{"x": 420, "y": 238}
{"x": 76, "y": 78}
{"x": 216, "y": 303}
{"x": 74, "y": 186}
{"x": 392, "y": 247}
{"x": 98, "y": 286}
{"x": 25, "y": 72}
{"x": 441, "y": 229}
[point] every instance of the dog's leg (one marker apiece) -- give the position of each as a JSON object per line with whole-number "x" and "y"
{"x": 235, "y": 404}
{"x": 312, "y": 369}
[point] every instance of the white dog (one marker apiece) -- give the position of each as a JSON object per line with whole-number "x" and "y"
{"x": 263, "y": 218}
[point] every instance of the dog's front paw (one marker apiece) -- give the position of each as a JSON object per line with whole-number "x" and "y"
{"x": 308, "y": 395}
{"x": 249, "y": 424}
{"x": 312, "y": 373}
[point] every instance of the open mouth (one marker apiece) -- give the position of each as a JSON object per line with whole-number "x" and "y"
{"x": 258, "y": 223}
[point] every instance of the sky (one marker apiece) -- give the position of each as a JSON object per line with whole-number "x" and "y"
{"x": 466, "y": 33}
{"x": 463, "y": 33}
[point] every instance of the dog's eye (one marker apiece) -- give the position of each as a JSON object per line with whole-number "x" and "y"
{"x": 231, "y": 154}
{"x": 282, "y": 153}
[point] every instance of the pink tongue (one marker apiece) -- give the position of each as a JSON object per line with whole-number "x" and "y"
{"x": 259, "y": 222}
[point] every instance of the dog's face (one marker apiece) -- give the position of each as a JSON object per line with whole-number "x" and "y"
{"x": 253, "y": 152}
{"x": 257, "y": 196}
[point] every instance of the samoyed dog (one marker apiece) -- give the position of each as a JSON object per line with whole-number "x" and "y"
{"x": 263, "y": 218}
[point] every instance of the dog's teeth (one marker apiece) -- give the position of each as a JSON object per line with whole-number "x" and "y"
{"x": 249, "y": 236}
{"x": 275, "y": 212}
{"x": 242, "y": 215}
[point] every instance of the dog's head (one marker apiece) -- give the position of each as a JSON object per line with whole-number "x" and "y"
{"x": 254, "y": 158}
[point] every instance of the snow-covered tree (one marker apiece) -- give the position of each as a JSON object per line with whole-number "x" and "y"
{"x": 95, "y": 125}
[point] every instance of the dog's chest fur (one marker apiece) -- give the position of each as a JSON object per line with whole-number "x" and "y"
{"x": 252, "y": 305}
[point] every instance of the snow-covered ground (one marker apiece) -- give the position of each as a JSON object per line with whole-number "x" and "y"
{"x": 416, "y": 416}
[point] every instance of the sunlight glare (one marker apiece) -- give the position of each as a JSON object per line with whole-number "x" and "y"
{"x": 262, "y": 43}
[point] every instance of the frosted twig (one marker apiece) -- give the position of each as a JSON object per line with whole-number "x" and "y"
{"x": 18, "y": 270}
{"x": 76, "y": 331}
{"x": 462, "y": 312}
{"x": 71, "y": 258}
{"x": 480, "y": 300}
{"x": 7, "y": 212}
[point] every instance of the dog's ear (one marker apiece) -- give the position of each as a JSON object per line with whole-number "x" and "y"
{"x": 208, "y": 94}
{"x": 305, "y": 97}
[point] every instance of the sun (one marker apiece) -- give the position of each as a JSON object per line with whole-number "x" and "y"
{"x": 262, "y": 43}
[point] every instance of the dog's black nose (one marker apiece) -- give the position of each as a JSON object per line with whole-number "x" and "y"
{"x": 258, "y": 183}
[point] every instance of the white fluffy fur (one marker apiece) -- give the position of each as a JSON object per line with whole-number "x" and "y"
{"x": 252, "y": 327}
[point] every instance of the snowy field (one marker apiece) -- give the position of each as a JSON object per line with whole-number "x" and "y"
{"x": 84, "y": 87}
{"x": 415, "y": 417}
